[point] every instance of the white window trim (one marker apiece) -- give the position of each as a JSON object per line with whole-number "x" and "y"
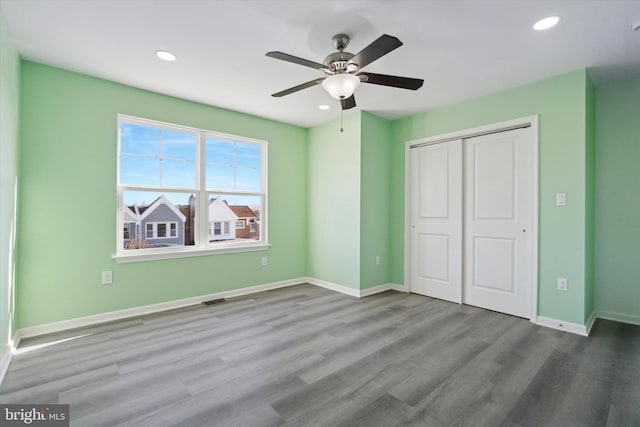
{"x": 203, "y": 246}
{"x": 153, "y": 254}
{"x": 243, "y": 226}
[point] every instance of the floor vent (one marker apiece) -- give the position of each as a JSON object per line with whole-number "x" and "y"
{"x": 214, "y": 301}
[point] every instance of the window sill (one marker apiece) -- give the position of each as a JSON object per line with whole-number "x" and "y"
{"x": 152, "y": 255}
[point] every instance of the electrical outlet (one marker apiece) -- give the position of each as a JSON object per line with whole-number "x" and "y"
{"x": 107, "y": 277}
{"x": 264, "y": 261}
{"x": 562, "y": 283}
{"x": 378, "y": 260}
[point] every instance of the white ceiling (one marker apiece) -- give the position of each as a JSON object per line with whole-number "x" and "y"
{"x": 462, "y": 49}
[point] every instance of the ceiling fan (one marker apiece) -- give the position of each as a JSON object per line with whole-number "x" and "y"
{"x": 343, "y": 69}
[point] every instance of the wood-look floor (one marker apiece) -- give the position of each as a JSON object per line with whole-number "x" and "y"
{"x": 306, "y": 356}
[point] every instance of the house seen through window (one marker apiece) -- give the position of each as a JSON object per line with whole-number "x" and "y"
{"x": 181, "y": 188}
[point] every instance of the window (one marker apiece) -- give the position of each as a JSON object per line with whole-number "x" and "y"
{"x": 158, "y": 230}
{"x": 185, "y": 187}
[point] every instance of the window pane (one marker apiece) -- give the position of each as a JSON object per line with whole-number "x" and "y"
{"x": 178, "y": 145}
{"x": 149, "y": 215}
{"x": 247, "y": 154}
{"x": 138, "y": 139}
{"x": 177, "y": 173}
{"x": 233, "y": 165}
{"x": 139, "y": 170}
{"x": 220, "y": 177}
{"x": 219, "y": 151}
{"x": 239, "y": 209}
{"x": 247, "y": 179}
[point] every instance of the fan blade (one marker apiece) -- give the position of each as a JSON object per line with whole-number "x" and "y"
{"x": 348, "y": 103}
{"x": 299, "y": 87}
{"x": 393, "y": 81}
{"x": 300, "y": 61}
{"x": 380, "y": 47}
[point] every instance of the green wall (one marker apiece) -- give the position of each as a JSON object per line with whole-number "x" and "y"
{"x": 348, "y": 201}
{"x": 9, "y": 111}
{"x": 334, "y": 202}
{"x": 617, "y": 235}
{"x": 68, "y": 200}
{"x": 561, "y": 105}
{"x": 374, "y": 200}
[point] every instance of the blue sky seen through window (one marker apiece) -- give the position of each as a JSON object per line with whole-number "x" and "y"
{"x": 232, "y": 165}
{"x": 163, "y": 157}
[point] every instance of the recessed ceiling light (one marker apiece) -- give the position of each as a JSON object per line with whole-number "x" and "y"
{"x": 546, "y": 23}
{"x": 324, "y": 107}
{"x": 165, "y": 56}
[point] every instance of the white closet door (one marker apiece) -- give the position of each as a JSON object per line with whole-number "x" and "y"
{"x": 498, "y": 222}
{"x": 436, "y": 221}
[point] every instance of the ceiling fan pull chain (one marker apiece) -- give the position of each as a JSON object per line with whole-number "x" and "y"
{"x": 341, "y": 113}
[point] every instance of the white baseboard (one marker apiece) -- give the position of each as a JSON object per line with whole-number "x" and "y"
{"x": 381, "y": 288}
{"x": 618, "y": 317}
{"x": 358, "y": 293}
{"x": 79, "y": 322}
{"x": 333, "y": 286}
{"x": 561, "y": 325}
{"x": 590, "y": 321}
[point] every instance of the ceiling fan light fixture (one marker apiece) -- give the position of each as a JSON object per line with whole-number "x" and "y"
{"x": 341, "y": 86}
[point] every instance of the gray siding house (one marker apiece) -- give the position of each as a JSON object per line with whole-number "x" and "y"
{"x": 159, "y": 224}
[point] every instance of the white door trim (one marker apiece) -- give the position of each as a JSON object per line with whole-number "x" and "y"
{"x": 532, "y": 121}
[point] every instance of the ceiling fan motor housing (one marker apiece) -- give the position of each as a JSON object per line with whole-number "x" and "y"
{"x": 338, "y": 62}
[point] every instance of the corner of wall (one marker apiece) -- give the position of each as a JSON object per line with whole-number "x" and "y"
{"x": 9, "y": 182}
{"x": 374, "y": 200}
{"x": 590, "y": 176}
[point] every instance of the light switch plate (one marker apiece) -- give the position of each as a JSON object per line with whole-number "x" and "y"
{"x": 561, "y": 199}
{"x": 107, "y": 277}
{"x": 562, "y": 283}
